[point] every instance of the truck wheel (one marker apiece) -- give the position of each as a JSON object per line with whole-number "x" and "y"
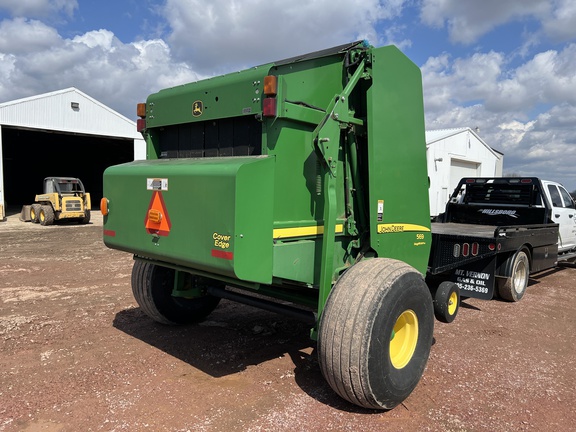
{"x": 35, "y": 213}
{"x": 446, "y": 301}
{"x": 514, "y": 286}
{"x": 152, "y": 288}
{"x": 376, "y": 332}
{"x": 86, "y": 218}
{"x": 46, "y": 215}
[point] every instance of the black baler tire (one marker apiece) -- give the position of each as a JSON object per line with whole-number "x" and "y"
{"x": 356, "y": 327}
{"x": 152, "y": 288}
{"x": 512, "y": 288}
{"x": 46, "y": 215}
{"x": 446, "y": 293}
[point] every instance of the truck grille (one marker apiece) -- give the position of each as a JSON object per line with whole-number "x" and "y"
{"x": 73, "y": 205}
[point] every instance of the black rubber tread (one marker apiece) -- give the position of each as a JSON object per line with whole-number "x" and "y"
{"x": 362, "y": 307}
{"x": 86, "y": 218}
{"x": 35, "y": 213}
{"x": 46, "y": 215}
{"x": 152, "y": 288}
{"x": 441, "y": 298}
{"x": 506, "y": 288}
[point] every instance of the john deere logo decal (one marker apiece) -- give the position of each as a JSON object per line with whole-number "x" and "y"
{"x": 197, "y": 108}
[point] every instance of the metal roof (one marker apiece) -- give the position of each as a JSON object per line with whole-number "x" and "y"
{"x": 68, "y": 110}
{"x": 433, "y": 136}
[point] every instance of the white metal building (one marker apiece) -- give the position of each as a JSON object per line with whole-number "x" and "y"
{"x": 453, "y": 154}
{"x": 63, "y": 133}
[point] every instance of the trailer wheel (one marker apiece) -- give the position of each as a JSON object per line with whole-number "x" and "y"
{"x": 375, "y": 333}
{"x": 446, "y": 301}
{"x": 46, "y": 215}
{"x": 152, "y": 288}
{"x": 35, "y": 213}
{"x": 514, "y": 286}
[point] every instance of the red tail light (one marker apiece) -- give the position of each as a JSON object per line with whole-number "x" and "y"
{"x": 475, "y": 248}
{"x": 140, "y": 124}
{"x": 269, "y": 107}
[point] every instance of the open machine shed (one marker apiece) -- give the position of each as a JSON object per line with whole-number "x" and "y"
{"x": 63, "y": 133}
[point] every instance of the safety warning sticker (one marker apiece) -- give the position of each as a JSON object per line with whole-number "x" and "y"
{"x": 159, "y": 184}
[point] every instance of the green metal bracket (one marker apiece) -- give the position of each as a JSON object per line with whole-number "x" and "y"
{"x": 183, "y": 287}
{"x": 327, "y": 142}
{"x": 326, "y": 136}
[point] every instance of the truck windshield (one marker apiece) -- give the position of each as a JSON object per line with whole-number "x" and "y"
{"x": 70, "y": 186}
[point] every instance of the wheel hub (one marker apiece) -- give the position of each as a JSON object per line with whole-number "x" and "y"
{"x": 404, "y": 339}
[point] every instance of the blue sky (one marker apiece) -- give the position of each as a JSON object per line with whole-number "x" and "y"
{"x": 507, "y": 67}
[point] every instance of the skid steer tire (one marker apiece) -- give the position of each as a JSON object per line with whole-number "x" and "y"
{"x": 375, "y": 333}
{"x": 446, "y": 301}
{"x": 152, "y": 288}
{"x": 514, "y": 286}
{"x": 86, "y": 218}
{"x": 35, "y": 213}
{"x": 46, "y": 215}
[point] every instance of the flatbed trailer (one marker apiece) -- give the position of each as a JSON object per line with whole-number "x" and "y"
{"x": 485, "y": 260}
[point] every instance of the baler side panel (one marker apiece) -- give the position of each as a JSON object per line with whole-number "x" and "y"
{"x": 399, "y": 212}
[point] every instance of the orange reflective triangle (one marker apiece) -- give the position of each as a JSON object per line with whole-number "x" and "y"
{"x": 157, "y": 220}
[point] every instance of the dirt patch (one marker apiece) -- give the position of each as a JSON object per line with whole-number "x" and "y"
{"x": 77, "y": 354}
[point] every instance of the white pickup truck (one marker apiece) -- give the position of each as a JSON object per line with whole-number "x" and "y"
{"x": 563, "y": 213}
{"x": 495, "y": 232}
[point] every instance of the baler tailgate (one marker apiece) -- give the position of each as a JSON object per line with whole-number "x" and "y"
{"x": 213, "y": 214}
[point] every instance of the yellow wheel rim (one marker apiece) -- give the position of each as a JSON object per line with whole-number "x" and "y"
{"x": 452, "y": 303}
{"x": 404, "y": 339}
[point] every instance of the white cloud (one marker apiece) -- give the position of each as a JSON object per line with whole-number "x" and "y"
{"x": 19, "y": 36}
{"x": 468, "y": 20}
{"x": 224, "y": 34}
{"x": 481, "y": 91}
{"x": 119, "y": 75}
{"x": 561, "y": 23}
{"x": 38, "y": 8}
{"x": 548, "y": 78}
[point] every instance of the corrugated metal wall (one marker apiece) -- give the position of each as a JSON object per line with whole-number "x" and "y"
{"x": 55, "y": 111}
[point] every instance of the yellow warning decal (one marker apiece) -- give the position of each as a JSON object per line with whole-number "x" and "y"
{"x": 400, "y": 228}
{"x": 304, "y": 231}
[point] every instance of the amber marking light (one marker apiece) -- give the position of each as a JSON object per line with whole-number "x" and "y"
{"x": 141, "y": 110}
{"x": 270, "y": 85}
{"x": 104, "y": 207}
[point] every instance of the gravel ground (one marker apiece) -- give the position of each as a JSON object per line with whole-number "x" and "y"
{"x": 77, "y": 354}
